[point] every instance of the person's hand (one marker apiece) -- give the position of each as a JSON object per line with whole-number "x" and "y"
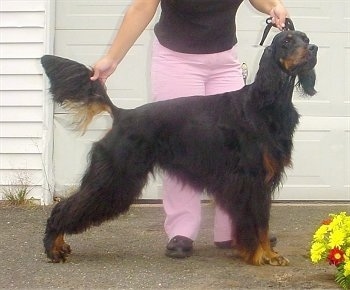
{"x": 279, "y": 14}
{"x": 103, "y": 69}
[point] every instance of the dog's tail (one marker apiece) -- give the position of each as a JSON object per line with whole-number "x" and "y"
{"x": 72, "y": 88}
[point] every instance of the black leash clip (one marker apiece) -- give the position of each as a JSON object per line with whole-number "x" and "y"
{"x": 288, "y": 25}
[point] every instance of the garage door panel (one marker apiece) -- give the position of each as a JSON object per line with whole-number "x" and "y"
{"x": 332, "y": 70}
{"x": 311, "y": 15}
{"x": 91, "y": 14}
{"x": 85, "y": 45}
{"x": 129, "y": 86}
{"x": 318, "y": 144}
{"x": 311, "y": 193}
{"x": 319, "y": 16}
{"x": 306, "y": 15}
{"x": 132, "y": 78}
{"x": 70, "y": 164}
{"x": 345, "y": 79}
{"x": 346, "y": 159}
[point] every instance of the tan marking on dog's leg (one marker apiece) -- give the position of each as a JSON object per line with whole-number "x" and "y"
{"x": 60, "y": 249}
{"x": 271, "y": 167}
{"x": 244, "y": 254}
{"x": 265, "y": 255}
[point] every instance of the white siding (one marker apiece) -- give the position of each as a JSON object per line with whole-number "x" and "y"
{"x": 23, "y": 40}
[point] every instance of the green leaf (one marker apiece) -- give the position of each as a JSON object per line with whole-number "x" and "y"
{"x": 343, "y": 281}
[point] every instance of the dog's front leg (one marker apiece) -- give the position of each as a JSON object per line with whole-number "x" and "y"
{"x": 56, "y": 248}
{"x": 264, "y": 254}
{"x": 251, "y": 217}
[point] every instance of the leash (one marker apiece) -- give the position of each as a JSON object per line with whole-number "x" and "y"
{"x": 288, "y": 26}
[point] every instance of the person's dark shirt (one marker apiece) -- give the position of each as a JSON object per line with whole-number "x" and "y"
{"x": 197, "y": 26}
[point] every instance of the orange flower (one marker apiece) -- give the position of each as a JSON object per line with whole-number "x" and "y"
{"x": 335, "y": 256}
{"x": 327, "y": 221}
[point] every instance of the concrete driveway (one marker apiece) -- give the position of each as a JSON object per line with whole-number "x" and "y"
{"x": 128, "y": 253}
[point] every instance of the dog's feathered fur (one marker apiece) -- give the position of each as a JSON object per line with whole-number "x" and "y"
{"x": 235, "y": 145}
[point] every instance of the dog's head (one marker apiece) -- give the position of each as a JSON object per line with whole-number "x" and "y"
{"x": 297, "y": 57}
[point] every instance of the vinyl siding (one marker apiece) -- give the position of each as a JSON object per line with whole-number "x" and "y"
{"x": 23, "y": 41}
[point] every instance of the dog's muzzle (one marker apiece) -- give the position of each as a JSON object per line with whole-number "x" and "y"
{"x": 312, "y": 59}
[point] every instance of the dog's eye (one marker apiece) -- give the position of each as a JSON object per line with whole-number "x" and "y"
{"x": 306, "y": 39}
{"x": 285, "y": 43}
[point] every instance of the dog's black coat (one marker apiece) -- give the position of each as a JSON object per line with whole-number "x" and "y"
{"x": 235, "y": 145}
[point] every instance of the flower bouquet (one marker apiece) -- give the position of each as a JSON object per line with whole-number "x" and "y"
{"x": 331, "y": 242}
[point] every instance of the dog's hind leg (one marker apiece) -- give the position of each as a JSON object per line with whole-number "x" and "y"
{"x": 112, "y": 182}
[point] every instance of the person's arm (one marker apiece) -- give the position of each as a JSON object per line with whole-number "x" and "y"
{"x": 274, "y": 8}
{"x": 136, "y": 19}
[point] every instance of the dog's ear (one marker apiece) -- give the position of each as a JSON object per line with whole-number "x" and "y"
{"x": 307, "y": 82}
{"x": 266, "y": 56}
{"x": 70, "y": 80}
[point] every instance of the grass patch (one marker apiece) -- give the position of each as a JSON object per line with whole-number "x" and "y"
{"x": 18, "y": 191}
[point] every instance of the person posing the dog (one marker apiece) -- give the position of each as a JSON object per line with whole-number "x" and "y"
{"x": 194, "y": 53}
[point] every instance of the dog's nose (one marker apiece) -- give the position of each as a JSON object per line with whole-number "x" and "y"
{"x": 313, "y": 47}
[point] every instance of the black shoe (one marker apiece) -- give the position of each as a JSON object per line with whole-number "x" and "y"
{"x": 224, "y": 244}
{"x": 179, "y": 247}
{"x": 228, "y": 244}
{"x": 273, "y": 240}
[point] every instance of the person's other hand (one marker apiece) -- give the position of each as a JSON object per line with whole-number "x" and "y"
{"x": 103, "y": 68}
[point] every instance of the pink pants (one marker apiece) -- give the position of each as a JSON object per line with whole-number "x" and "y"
{"x": 174, "y": 75}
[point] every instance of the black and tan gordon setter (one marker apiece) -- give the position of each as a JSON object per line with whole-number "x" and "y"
{"x": 234, "y": 145}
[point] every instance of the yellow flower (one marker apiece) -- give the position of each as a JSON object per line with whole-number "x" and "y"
{"x": 336, "y": 238}
{"x": 320, "y": 233}
{"x": 347, "y": 269}
{"x": 317, "y": 252}
{"x": 337, "y": 220}
{"x": 347, "y": 252}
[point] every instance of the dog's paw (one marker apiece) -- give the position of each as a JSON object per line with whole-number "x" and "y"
{"x": 277, "y": 260}
{"x": 59, "y": 254}
{"x": 59, "y": 250}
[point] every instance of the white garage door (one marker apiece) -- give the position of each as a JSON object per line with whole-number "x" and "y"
{"x": 321, "y": 157}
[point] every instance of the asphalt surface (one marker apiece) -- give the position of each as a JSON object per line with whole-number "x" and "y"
{"x": 128, "y": 253}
